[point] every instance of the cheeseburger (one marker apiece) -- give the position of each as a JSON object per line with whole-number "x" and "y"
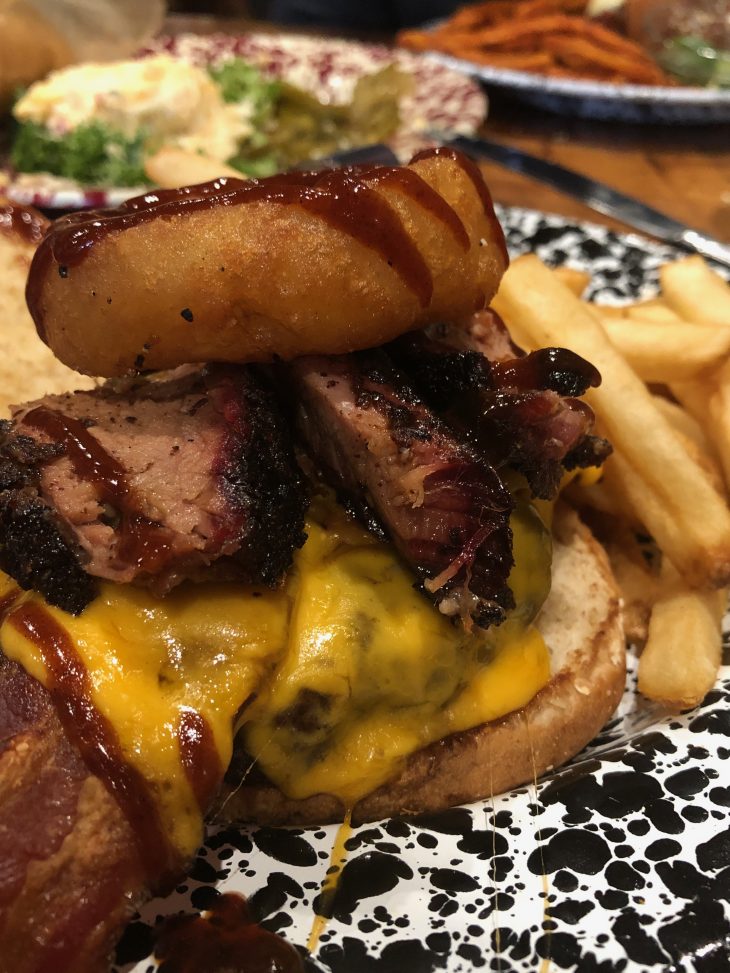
{"x": 298, "y": 556}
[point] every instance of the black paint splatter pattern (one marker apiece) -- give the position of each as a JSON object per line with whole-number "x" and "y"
{"x": 619, "y": 863}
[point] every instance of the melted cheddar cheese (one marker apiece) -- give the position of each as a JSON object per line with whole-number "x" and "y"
{"x": 205, "y": 649}
{"x": 372, "y": 673}
{"x": 351, "y": 668}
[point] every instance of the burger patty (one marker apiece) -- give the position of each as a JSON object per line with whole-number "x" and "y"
{"x": 442, "y": 505}
{"x": 190, "y": 475}
{"x": 519, "y": 410}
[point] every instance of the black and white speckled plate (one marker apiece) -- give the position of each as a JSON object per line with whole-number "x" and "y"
{"x": 618, "y": 863}
{"x": 441, "y": 98}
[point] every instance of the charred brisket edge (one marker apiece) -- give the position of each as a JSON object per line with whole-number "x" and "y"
{"x": 453, "y": 381}
{"x": 35, "y": 550}
{"x": 375, "y": 366}
{"x": 261, "y": 475}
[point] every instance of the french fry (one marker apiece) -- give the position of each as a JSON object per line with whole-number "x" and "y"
{"x": 695, "y": 291}
{"x": 551, "y": 37}
{"x": 584, "y": 53}
{"x": 683, "y": 422}
{"x": 694, "y": 397}
{"x": 667, "y": 351}
{"x": 683, "y": 650}
{"x": 638, "y": 584}
{"x": 574, "y": 280}
{"x": 719, "y": 416}
{"x": 170, "y": 167}
{"x": 668, "y": 491}
{"x": 652, "y": 311}
{"x": 655, "y": 309}
{"x": 708, "y": 401}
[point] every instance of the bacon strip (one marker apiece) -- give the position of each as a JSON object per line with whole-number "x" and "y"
{"x": 444, "y": 508}
{"x": 70, "y": 871}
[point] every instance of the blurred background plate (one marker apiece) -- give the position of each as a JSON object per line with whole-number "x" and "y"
{"x": 442, "y": 97}
{"x": 601, "y": 100}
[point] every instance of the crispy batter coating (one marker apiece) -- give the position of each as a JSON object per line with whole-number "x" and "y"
{"x": 297, "y": 264}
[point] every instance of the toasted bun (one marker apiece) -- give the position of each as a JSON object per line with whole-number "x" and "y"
{"x": 268, "y": 269}
{"x": 581, "y": 624}
{"x": 28, "y": 369}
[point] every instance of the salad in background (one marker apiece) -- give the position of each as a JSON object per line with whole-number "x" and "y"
{"x": 101, "y": 124}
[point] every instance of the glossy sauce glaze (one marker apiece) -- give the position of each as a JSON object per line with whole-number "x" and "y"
{"x": 558, "y": 369}
{"x": 199, "y": 756}
{"x": 472, "y": 171}
{"x": 70, "y": 690}
{"x": 226, "y": 940}
{"x": 23, "y": 221}
{"x": 140, "y": 540}
{"x": 344, "y": 198}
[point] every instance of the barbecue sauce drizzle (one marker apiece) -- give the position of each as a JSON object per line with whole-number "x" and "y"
{"x": 28, "y": 224}
{"x": 97, "y": 740}
{"x": 227, "y": 940}
{"x": 199, "y": 756}
{"x": 140, "y": 540}
{"x": 471, "y": 169}
{"x": 343, "y": 198}
{"x": 143, "y": 542}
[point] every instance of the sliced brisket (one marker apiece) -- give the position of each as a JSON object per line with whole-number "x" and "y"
{"x": 519, "y": 410}
{"x": 445, "y": 508}
{"x": 186, "y": 475}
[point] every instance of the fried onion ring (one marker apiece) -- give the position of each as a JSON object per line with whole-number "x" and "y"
{"x": 298, "y": 264}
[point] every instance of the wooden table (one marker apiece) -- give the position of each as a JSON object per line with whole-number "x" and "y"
{"x": 681, "y": 170}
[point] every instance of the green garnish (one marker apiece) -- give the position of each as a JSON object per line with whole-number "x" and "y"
{"x": 241, "y": 81}
{"x": 288, "y": 126}
{"x": 91, "y": 154}
{"x": 302, "y": 127}
{"x": 694, "y": 61}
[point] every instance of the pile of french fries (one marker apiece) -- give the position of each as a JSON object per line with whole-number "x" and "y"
{"x": 661, "y": 503}
{"x": 550, "y": 37}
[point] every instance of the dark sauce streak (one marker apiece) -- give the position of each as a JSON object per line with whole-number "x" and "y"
{"x": 342, "y": 198}
{"x": 471, "y": 169}
{"x": 23, "y": 221}
{"x": 410, "y": 184}
{"x": 226, "y": 940}
{"x": 140, "y": 540}
{"x": 557, "y": 369}
{"x": 97, "y": 740}
{"x": 199, "y": 756}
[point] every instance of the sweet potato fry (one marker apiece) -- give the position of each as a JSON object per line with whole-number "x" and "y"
{"x": 552, "y": 36}
{"x": 583, "y": 52}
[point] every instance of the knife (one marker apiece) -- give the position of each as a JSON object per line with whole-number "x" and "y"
{"x": 376, "y": 154}
{"x": 597, "y": 195}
